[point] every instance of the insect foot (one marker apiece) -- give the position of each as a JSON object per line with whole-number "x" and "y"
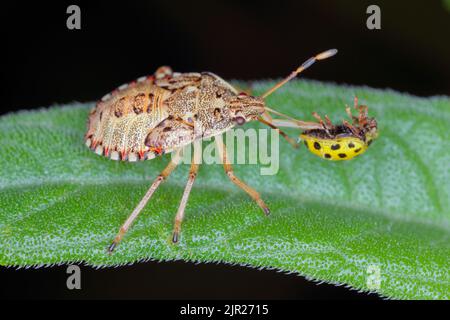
{"x": 116, "y": 240}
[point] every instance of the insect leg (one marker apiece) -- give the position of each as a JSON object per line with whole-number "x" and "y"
{"x": 303, "y": 125}
{"x": 187, "y": 190}
{"x": 282, "y": 133}
{"x": 328, "y": 122}
{"x": 289, "y": 121}
{"x": 230, "y": 173}
{"x": 266, "y": 116}
{"x": 324, "y": 126}
{"x": 349, "y": 113}
{"x": 161, "y": 177}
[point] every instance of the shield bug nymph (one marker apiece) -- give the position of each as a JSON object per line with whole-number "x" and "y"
{"x": 166, "y": 111}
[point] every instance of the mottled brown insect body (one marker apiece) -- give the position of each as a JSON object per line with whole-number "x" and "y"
{"x": 157, "y": 114}
{"x": 164, "y": 112}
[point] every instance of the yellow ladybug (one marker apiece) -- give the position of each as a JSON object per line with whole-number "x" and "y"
{"x": 344, "y": 141}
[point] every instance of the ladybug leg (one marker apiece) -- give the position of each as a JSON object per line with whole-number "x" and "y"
{"x": 363, "y": 112}
{"x": 230, "y": 173}
{"x": 349, "y": 112}
{"x": 324, "y": 126}
{"x": 187, "y": 191}
{"x": 355, "y": 102}
{"x": 161, "y": 177}
{"x": 328, "y": 122}
{"x": 319, "y": 118}
{"x": 362, "y": 116}
{"x": 354, "y": 129}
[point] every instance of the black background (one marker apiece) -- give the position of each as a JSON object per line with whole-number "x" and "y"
{"x": 45, "y": 63}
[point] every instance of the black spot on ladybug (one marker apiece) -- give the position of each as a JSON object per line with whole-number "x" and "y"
{"x": 351, "y": 145}
{"x": 317, "y": 146}
{"x": 357, "y": 150}
{"x": 335, "y": 146}
{"x": 342, "y": 155}
{"x": 327, "y": 155}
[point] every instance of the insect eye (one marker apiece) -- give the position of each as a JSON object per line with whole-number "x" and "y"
{"x": 240, "y": 120}
{"x": 242, "y": 95}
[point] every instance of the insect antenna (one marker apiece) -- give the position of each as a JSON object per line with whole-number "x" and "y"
{"x": 305, "y": 65}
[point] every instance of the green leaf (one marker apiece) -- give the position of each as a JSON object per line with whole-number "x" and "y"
{"x": 384, "y": 213}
